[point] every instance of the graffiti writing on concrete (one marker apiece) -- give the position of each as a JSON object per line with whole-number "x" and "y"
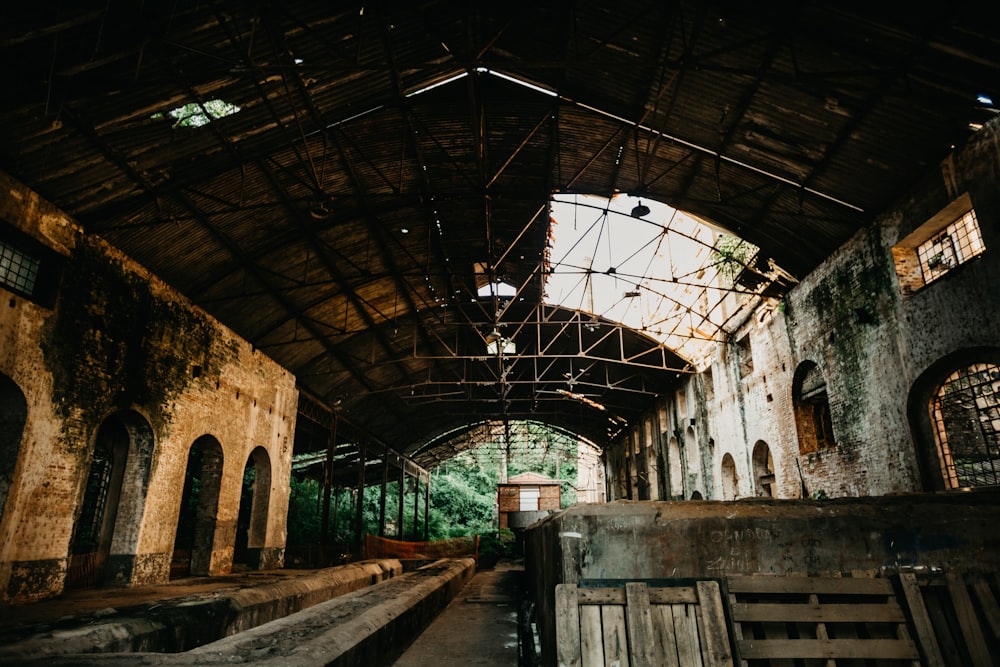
{"x": 737, "y": 549}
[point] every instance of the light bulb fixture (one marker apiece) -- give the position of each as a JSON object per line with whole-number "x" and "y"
{"x": 493, "y": 336}
{"x": 640, "y": 210}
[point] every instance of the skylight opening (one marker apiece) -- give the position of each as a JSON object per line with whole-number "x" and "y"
{"x": 498, "y": 288}
{"x": 437, "y": 84}
{"x": 198, "y": 114}
{"x": 665, "y": 273}
{"x": 518, "y": 81}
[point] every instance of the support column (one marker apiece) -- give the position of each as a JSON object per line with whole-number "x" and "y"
{"x": 416, "y": 506}
{"x": 427, "y": 508}
{"x": 402, "y": 497}
{"x": 331, "y": 446}
{"x": 381, "y": 498}
{"x": 360, "y": 504}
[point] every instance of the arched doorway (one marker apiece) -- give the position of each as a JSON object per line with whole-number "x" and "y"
{"x": 195, "y": 537}
{"x": 251, "y": 525}
{"x": 763, "y": 470}
{"x": 13, "y": 415}
{"x": 692, "y": 457}
{"x": 730, "y": 482}
{"x": 675, "y": 468}
{"x": 94, "y": 528}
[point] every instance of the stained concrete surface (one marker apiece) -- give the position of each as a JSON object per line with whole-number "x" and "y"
{"x": 479, "y": 627}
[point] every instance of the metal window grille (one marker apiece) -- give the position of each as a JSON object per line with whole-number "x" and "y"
{"x": 956, "y": 244}
{"x": 965, "y": 413}
{"x": 18, "y": 270}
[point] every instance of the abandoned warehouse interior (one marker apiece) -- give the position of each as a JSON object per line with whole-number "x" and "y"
{"x": 746, "y": 254}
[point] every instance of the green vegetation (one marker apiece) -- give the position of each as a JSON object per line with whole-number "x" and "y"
{"x": 462, "y": 495}
{"x": 731, "y": 256}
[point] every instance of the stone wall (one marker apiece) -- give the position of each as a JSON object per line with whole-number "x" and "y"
{"x": 113, "y": 346}
{"x": 877, "y": 343}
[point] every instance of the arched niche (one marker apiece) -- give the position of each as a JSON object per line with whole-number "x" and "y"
{"x": 763, "y": 470}
{"x": 194, "y": 540}
{"x": 251, "y": 525}
{"x": 730, "y": 481}
{"x": 813, "y": 421}
{"x": 13, "y": 416}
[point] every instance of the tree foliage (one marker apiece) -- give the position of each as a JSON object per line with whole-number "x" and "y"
{"x": 462, "y": 494}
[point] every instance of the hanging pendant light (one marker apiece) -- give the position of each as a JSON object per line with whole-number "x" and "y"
{"x": 640, "y": 210}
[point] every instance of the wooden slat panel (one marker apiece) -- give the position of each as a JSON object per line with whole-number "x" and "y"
{"x": 988, "y": 602}
{"x": 567, "y": 626}
{"x": 615, "y": 636}
{"x": 967, "y": 620}
{"x": 657, "y": 595}
{"x": 829, "y": 648}
{"x": 639, "y": 620}
{"x": 817, "y": 613}
{"x": 591, "y": 636}
{"x": 686, "y": 632}
{"x": 808, "y": 585}
{"x": 663, "y": 624}
{"x": 921, "y": 621}
{"x": 714, "y": 632}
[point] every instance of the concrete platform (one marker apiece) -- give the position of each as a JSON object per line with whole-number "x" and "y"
{"x": 363, "y": 627}
{"x": 480, "y": 626}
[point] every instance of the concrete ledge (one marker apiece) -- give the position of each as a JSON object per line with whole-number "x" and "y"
{"x": 179, "y": 624}
{"x": 358, "y": 629}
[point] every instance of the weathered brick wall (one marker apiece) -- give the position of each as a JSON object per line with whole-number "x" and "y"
{"x": 117, "y": 341}
{"x": 870, "y": 341}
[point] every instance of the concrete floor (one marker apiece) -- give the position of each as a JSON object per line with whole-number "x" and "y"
{"x": 479, "y": 627}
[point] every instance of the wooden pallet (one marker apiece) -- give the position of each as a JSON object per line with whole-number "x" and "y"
{"x": 819, "y": 622}
{"x": 641, "y": 625}
{"x": 957, "y": 619}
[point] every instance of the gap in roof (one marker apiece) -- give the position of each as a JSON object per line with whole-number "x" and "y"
{"x": 197, "y": 114}
{"x": 665, "y": 273}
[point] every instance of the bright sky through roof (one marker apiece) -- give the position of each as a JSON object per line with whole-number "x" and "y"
{"x": 655, "y": 274}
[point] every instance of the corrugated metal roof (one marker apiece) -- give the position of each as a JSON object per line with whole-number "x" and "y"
{"x": 337, "y": 220}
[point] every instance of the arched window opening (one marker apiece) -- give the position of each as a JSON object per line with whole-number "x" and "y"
{"x": 763, "y": 470}
{"x": 812, "y": 410}
{"x": 692, "y": 458}
{"x": 251, "y": 525}
{"x": 95, "y": 523}
{"x": 674, "y": 461}
{"x": 13, "y": 415}
{"x": 195, "y": 537}
{"x": 965, "y": 418}
{"x": 730, "y": 482}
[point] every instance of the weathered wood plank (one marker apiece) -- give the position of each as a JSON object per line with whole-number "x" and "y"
{"x": 714, "y": 632}
{"x": 657, "y": 595}
{"x": 967, "y": 621}
{"x": 988, "y": 602}
{"x": 663, "y": 624}
{"x": 895, "y": 649}
{"x": 591, "y": 636}
{"x": 567, "y": 626}
{"x": 807, "y": 585}
{"x": 639, "y": 620}
{"x": 686, "y": 633}
{"x": 817, "y": 613}
{"x": 615, "y": 636}
{"x": 926, "y": 636}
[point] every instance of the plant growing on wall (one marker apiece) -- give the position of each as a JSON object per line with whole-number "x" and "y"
{"x": 730, "y": 257}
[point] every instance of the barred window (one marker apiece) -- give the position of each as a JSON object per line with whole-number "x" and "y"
{"x": 958, "y": 243}
{"x": 965, "y": 413}
{"x": 18, "y": 270}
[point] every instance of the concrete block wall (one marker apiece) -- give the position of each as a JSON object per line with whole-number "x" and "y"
{"x": 114, "y": 341}
{"x": 876, "y": 343}
{"x": 867, "y": 537}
